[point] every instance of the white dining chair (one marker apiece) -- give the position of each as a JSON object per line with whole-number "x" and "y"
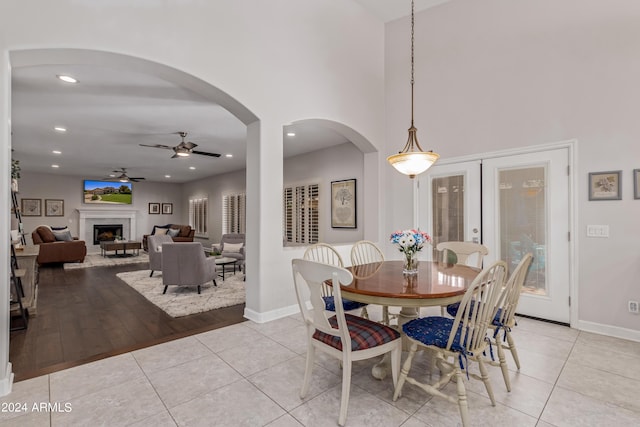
{"x": 465, "y": 253}
{"x": 327, "y": 254}
{"x": 346, "y": 337}
{"x": 504, "y": 320}
{"x": 366, "y": 252}
{"x": 458, "y": 341}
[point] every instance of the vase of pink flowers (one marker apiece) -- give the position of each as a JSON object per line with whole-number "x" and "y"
{"x": 410, "y": 242}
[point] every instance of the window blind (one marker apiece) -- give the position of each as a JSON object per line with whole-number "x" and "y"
{"x": 301, "y": 214}
{"x": 199, "y": 215}
{"x": 234, "y": 213}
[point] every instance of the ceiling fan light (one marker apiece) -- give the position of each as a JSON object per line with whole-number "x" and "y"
{"x": 182, "y": 153}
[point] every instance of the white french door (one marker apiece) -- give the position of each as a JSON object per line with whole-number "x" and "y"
{"x": 449, "y": 202}
{"x": 526, "y": 209}
{"x": 513, "y": 204}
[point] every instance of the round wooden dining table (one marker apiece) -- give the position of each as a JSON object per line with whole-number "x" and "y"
{"x": 383, "y": 283}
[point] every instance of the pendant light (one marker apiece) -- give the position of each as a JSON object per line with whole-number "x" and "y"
{"x": 412, "y": 160}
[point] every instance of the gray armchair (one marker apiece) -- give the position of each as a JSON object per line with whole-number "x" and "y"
{"x": 184, "y": 264}
{"x": 235, "y": 240}
{"x": 155, "y": 251}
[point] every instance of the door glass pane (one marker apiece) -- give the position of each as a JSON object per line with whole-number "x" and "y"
{"x": 523, "y": 223}
{"x": 448, "y": 210}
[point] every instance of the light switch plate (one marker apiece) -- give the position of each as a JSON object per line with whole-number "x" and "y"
{"x": 597, "y": 231}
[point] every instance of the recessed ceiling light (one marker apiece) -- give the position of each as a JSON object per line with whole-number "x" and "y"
{"x": 167, "y": 176}
{"x": 112, "y": 175}
{"x": 228, "y": 155}
{"x": 56, "y": 152}
{"x": 291, "y": 134}
{"x": 192, "y": 167}
{"x": 67, "y": 79}
{"x": 55, "y": 166}
{"x": 60, "y": 129}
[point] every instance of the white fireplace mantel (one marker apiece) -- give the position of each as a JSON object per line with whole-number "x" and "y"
{"x": 111, "y": 213}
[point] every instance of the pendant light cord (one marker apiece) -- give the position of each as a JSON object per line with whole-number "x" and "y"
{"x": 412, "y": 55}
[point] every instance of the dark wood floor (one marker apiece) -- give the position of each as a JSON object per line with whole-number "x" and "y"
{"x": 89, "y": 314}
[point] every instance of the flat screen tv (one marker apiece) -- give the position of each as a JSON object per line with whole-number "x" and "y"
{"x": 107, "y": 192}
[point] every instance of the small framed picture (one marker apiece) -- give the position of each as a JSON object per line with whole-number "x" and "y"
{"x": 53, "y": 207}
{"x": 605, "y": 185}
{"x": 343, "y": 204}
{"x": 167, "y": 208}
{"x": 154, "y": 208}
{"x": 31, "y": 207}
{"x": 636, "y": 183}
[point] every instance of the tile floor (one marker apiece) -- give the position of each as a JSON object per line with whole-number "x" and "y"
{"x": 250, "y": 375}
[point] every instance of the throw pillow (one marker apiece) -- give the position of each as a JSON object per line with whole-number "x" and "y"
{"x": 173, "y": 232}
{"x": 159, "y": 231}
{"x": 62, "y": 236}
{"x": 232, "y": 247}
{"x": 46, "y": 234}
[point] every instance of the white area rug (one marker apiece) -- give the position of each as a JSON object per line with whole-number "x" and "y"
{"x": 184, "y": 300}
{"x": 97, "y": 260}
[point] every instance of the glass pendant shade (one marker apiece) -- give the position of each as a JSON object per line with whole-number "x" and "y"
{"x": 413, "y": 163}
{"x": 412, "y": 160}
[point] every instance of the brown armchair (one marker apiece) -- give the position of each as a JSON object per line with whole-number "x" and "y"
{"x": 184, "y": 233}
{"x": 53, "y": 250}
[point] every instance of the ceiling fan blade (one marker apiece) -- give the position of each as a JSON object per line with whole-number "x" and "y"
{"x": 136, "y": 179}
{"x": 166, "y": 147}
{"x": 204, "y": 153}
{"x": 189, "y": 145}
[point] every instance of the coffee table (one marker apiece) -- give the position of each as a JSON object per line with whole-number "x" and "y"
{"x": 224, "y": 261}
{"x": 120, "y": 245}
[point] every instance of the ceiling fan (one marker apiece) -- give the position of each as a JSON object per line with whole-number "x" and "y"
{"x": 124, "y": 177}
{"x": 184, "y": 149}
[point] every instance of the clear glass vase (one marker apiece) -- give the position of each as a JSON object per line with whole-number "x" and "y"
{"x": 410, "y": 265}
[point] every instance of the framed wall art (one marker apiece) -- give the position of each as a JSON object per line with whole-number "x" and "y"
{"x": 605, "y": 185}
{"x": 154, "y": 208}
{"x": 636, "y": 183}
{"x": 343, "y": 204}
{"x": 167, "y": 208}
{"x": 53, "y": 207}
{"x": 31, "y": 207}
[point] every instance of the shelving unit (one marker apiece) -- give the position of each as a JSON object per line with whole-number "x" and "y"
{"x": 24, "y": 275}
{"x": 16, "y": 211}
{"x": 17, "y": 293}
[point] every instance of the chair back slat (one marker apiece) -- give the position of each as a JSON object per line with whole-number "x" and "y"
{"x": 512, "y": 290}
{"x": 478, "y": 306}
{"x": 325, "y": 254}
{"x": 309, "y": 277}
{"x": 365, "y": 252}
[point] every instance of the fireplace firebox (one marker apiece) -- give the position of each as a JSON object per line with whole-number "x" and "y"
{"x": 106, "y": 232}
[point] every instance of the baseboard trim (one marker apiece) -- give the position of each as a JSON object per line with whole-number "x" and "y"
{"x": 6, "y": 383}
{"x": 268, "y": 316}
{"x": 613, "y": 331}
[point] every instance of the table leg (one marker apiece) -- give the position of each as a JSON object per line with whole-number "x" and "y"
{"x": 383, "y": 368}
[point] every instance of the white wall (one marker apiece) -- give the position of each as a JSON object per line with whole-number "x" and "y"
{"x": 501, "y": 74}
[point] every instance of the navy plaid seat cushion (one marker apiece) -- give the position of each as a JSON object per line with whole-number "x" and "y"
{"x": 364, "y": 333}
{"x": 348, "y": 305}
{"x": 434, "y": 331}
{"x": 452, "y": 309}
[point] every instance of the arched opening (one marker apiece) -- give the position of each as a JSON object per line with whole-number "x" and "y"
{"x": 167, "y": 82}
{"x": 333, "y": 160}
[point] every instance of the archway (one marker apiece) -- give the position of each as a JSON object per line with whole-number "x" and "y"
{"x": 27, "y": 58}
